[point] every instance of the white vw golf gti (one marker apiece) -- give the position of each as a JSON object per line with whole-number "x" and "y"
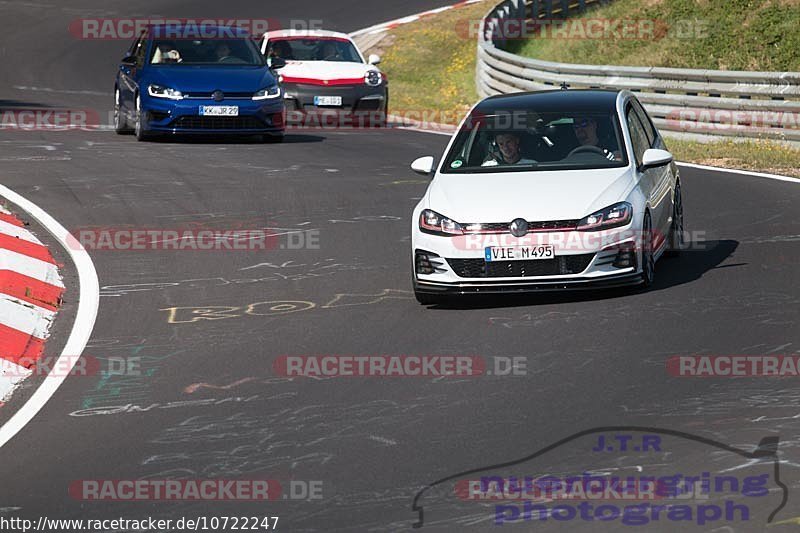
{"x": 559, "y": 189}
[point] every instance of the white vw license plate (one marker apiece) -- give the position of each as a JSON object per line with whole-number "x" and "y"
{"x": 219, "y": 110}
{"x": 519, "y": 253}
{"x": 328, "y": 100}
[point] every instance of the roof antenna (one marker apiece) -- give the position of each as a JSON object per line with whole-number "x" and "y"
{"x": 564, "y": 86}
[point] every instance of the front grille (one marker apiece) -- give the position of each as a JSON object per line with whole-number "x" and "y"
{"x": 559, "y": 266}
{"x": 210, "y": 96}
{"x": 197, "y": 122}
{"x": 502, "y": 227}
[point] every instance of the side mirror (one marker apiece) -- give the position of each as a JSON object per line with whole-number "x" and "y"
{"x": 374, "y": 59}
{"x": 276, "y": 62}
{"x": 129, "y": 61}
{"x": 423, "y": 165}
{"x": 654, "y": 157}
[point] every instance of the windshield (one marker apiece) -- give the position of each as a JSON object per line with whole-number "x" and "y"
{"x": 205, "y": 52}
{"x": 516, "y": 141}
{"x": 313, "y": 49}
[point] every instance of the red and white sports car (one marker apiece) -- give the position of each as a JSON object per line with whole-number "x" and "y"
{"x": 325, "y": 72}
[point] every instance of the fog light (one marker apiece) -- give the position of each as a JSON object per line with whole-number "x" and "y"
{"x": 427, "y": 262}
{"x": 158, "y": 116}
{"x": 626, "y": 256}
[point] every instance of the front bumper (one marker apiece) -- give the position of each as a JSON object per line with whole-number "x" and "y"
{"x": 583, "y": 260}
{"x": 504, "y": 287}
{"x": 183, "y": 116}
{"x": 355, "y": 98}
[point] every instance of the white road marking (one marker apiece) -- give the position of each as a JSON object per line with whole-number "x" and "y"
{"x": 88, "y": 302}
{"x": 61, "y": 91}
{"x": 743, "y": 172}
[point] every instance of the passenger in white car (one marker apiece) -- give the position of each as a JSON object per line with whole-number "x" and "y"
{"x": 508, "y": 152}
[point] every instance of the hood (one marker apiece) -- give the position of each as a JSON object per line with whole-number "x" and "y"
{"x": 534, "y": 196}
{"x": 325, "y": 70}
{"x": 209, "y": 78}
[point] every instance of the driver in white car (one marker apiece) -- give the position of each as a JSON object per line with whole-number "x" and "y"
{"x": 507, "y": 152}
{"x": 585, "y": 129}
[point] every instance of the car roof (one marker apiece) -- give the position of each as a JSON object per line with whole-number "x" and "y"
{"x": 305, "y": 33}
{"x": 570, "y": 99}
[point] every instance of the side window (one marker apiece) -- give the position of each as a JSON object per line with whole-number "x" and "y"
{"x": 638, "y": 135}
{"x": 649, "y": 129}
{"x": 141, "y": 49}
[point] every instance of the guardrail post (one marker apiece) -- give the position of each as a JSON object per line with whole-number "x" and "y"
{"x": 548, "y": 8}
{"x": 535, "y": 9}
{"x": 581, "y": 5}
{"x": 565, "y": 8}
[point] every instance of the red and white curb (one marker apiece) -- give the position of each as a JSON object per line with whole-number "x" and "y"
{"x": 42, "y": 294}
{"x": 30, "y": 293}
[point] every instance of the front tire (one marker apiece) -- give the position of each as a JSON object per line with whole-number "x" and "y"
{"x": 138, "y": 129}
{"x": 648, "y": 259}
{"x": 120, "y": 122}
{"x": 676, "y": 234}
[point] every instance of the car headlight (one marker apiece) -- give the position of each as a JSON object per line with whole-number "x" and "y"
{"x": 159, "y": 91}
{"x": 373, "y": 78}
{"x": 611, "y": 217}
{"x": 268, "y": 93}
{"x": 436, "y": 224}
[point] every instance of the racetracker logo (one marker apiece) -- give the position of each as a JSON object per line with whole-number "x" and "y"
{"x": 74, "y": 365}
{"x": 733, "y": 366}
{"x": 570, "y": 239}
{"x": 169, "y": 28}
{"x": 175, "y": 490}
{"x": 415, "y": 366}
{"x": 715, "y": 120}
{"x": 331, "y": 119}
{"x": 586, "y": 487}
{"x": 592, "y": 29}
{"x": 49, "y": 119}
{"x": 185, "y": 239}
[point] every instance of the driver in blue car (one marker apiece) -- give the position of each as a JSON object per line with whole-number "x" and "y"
{"x": 585, "y": 129}
{"x": 507, "y": 151}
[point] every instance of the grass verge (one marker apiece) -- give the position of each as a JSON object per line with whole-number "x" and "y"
{"x": 431, "y": 68}
{"x": 710, "y": 34}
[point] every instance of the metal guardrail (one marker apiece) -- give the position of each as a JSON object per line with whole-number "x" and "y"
{"x": 694, "y": 101}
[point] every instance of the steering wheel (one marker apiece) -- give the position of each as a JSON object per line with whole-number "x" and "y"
{"x": 228, "y": 59}
{"x": 587, "y": 148}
